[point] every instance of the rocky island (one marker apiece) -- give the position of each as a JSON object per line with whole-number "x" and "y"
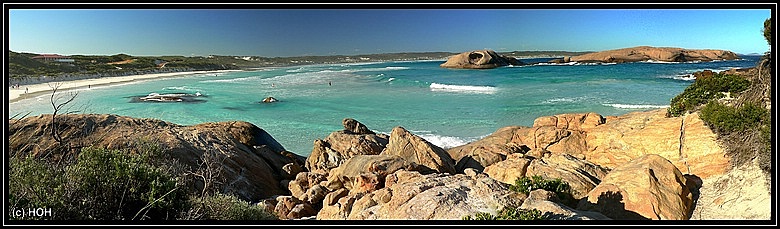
{"x": 647, "y": 53}
{"x": 479, "y": 59}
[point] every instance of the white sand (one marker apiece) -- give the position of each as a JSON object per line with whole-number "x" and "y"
{"x": 25, "y": 91}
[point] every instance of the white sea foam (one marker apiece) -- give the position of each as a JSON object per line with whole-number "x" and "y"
{"x": 231, "y": 80}
{"x": 445, "y": 142}
{"x": 558, "y": 64}
{"x": 566, "y": 100}
{"x": 463, "y": 88}
{"x": 391, "y": 79}
{"x": 388, "y": 68}
{"x": 573, "y": 63}
{"x": 296, "y": 70}
{"x": 688, "y": 76}
{"x": 181, "y": 88}
{"x": 634, "y": 106}
{"x": 559, "y": 100}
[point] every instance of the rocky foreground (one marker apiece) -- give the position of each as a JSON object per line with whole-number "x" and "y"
{"x": 647, "y": 53}
{"x": 641, "y": 165}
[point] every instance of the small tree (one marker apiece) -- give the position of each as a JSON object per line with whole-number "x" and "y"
{"x": 768, "y": 31}
{"x": 54, "y": 99}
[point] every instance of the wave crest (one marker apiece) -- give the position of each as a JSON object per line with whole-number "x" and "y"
{"x": 463, "y": 88}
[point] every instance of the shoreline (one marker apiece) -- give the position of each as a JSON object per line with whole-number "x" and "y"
{"x": 34, "y": 90}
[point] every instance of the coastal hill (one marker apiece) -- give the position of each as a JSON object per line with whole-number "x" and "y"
{"x": 647, "y": 53}
{"x": 26, "y": 68}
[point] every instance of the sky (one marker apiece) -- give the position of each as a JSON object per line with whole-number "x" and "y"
{"x": 347, "y": 31}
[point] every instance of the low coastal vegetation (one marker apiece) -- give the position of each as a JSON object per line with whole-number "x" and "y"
{"x": 101, "y": 184}
{"x": 509, "y": 214}
{"x": 525, "y": 185}
{"x": 706, "y": 89}
{"x": 734, "y": 105}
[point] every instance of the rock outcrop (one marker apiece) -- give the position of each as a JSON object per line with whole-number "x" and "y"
{"x": 479, "y": 59}
{"x": 686, "y": 141}
{"x": 641, "y": 165}
{"x": 339, "y": 146}
{"x": 416, "y": 149}
{"x": 606, "y": 141}
{"x": 648, "y": 187}
{"x": 248, "y": 159}
{"x": 665, "y": 54}
{"x": 548, "y": 202}
{"x": 411, "y": 195}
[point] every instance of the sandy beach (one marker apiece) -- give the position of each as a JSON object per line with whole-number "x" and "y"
{"x": 32, "y": 90}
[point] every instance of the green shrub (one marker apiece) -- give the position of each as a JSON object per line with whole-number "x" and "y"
{"x": 526, "y": 185}
{"x": 729, "y": 119}
{"x": 228, "y": 207}
{"x": 101, "y": 185}
{"x": 767, "y": 31}
{"x": 110, "y": 184}
{"x": 509, "y": 214}
{"x": 33, "y": 183}
{"x": 705, "y": 89}
{"x": 766, "y": 132}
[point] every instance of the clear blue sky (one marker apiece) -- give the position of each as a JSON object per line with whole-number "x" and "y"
{"x": 298, "y": 32}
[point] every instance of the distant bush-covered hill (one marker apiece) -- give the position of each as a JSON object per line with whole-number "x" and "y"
{"x": 24, "y": 65}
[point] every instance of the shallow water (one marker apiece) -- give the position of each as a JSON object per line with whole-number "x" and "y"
{"x": 448, "y": 107}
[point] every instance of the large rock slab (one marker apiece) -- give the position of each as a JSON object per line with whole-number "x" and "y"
{"x": 490, "y": 149}
{"x": 743, "y": 193}
{"x": 411, "y": 195}
{"x": 245, "y": 156}
{"x": 686, "y": 141}
{"x": 648, "y": 187}
{"x": 415, "y": 149}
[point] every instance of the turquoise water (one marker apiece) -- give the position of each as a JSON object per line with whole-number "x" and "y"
{"x": 448, "y": 107}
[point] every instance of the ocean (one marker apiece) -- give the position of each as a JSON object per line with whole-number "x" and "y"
{"x": 447, "y": 107}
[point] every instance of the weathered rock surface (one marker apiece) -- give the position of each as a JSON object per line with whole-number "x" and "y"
{"x": 581, "y": 175}
{"x": 411, "y": 195}
{"x": 550, "y": 206}
{"x": 339, "y": 146}
{"x": 288, "y": 207}
{"x": 489, "y": 150}
{"x": 509, "y": 170}
{"x": 648, "y": 187}
{"x": 366, "y": 173}
{"x": 645, "y": 53}
{"x": 479, "y": 59}
{"x": 607, "y": 141}
{"x": 251, "y": 160}
{"x": 743, "y": 193}
{"x": 417, "y": 150}
{"x": 686, "y": 141}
